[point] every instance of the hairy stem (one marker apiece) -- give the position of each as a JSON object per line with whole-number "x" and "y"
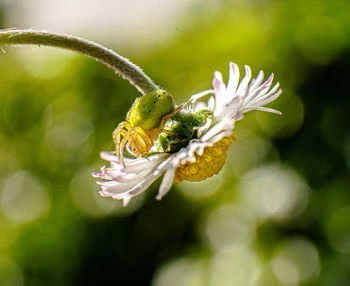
{"x": 121, "y": 65}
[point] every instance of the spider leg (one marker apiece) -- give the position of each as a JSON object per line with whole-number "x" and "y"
{"x": 139, "y": 144}
{"x": 147, "y": 139}
{"x": 148, "y": 142}
{"x": 122, "y": 146}
{"x": 166, "y": 117}
{"x": 133, "y": 146}
{"x": 118, "y": 133}
{"x": 135, "y": 143}
{"x": 169, "y": 132}
{"x": 141, "y": 141}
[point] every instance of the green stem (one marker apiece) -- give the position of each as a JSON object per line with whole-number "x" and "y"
{"x": 121, "y": 65}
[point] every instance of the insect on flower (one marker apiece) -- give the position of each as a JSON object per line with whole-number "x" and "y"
{"x": 144, "y": 122}
{"x": 207, "y": 130}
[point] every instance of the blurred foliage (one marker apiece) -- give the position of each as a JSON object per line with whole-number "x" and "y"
{"x": 277, "y": 214}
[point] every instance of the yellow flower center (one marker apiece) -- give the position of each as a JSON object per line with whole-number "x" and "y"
{"x": 206, "y": 165}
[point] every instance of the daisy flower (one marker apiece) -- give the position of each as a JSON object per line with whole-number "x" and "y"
{"x": 205, "y": 154}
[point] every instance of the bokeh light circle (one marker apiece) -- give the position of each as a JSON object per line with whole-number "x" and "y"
{"x": 296, "y": 260}
{"x": 235, "y": 265}
{"x": 184, "y": 271}
{"x": 230, "y": 225}
{"x": 24, "y": 198}
{"x": 249, "y": 150}
{"x": 69, "y": 136}
{"x": 274, "y": 191}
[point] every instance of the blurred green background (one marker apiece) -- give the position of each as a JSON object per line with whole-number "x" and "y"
{"x": 277, "y": 214}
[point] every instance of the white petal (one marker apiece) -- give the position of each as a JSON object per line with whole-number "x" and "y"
{"x": 272, "y": 91}
{"x": 146, "y": 164}
{"x": 166, "y": 183}
{"x": 196, "y": 96}
{"x": 220, "y": 91}
{"x": 211, "y": 103}
{"x": 102, "y": 194}
{"x": 265, "y": 86}
{"x": 122, "y": 177}
{"x": 232, "y": 81}
{"x": 261, "y": 108}
{"x": 219, "y": 136}
{"x": 189, "y": 158}
{"x": 218, "y": 82}
{"x": 117, "y": 188}
{"x": 183, "y": 154}
{"x": 225, "y": 124}
{"x": 211, "y": 132}
{"x": 108, "y": 156}
{"x": 268, "y": 97}
{"x": 259, "y": 90}
{"x": 198, "y": 148}
{"x": 138, "y": 189}
{"x": 256, "y": 81}
{"x": 204, "y": 128}
{"x": 199, "y": 105}
{"x": 101, "y": 176}
{"x": 232, "y": 108}
{"x": 243, "y": 86}
{"x": 126, "y": 200}
{"x": 106, "y": 183}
